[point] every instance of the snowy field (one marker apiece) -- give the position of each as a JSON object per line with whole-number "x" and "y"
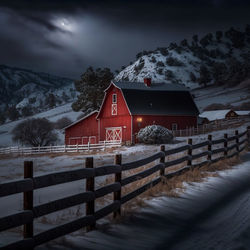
{"x": 213, "y": 214}
{"x": 53, "y": 115}
{"x": 235, "y": 96}
{"x": 12, "y": 168}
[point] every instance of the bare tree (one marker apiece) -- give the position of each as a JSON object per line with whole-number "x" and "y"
{"x": 35, "y": 132}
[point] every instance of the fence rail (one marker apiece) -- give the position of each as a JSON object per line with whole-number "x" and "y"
{"x": 59, "y": 149}
{"x": 30, "y": 183}
{"x": 209, "y": 127}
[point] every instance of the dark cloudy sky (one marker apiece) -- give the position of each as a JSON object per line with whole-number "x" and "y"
{"x": 64, "y": 37}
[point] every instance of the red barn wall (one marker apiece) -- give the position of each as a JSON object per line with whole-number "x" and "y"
{"x": 122, "y": 119}
{"x": 83, "y": 132}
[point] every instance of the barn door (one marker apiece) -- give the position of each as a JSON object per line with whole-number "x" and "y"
{"x": 114, "y": 134}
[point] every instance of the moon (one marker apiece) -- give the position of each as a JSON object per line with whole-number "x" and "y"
{"x": 64, "y": 23}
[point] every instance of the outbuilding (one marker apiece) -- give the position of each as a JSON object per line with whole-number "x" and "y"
{"x": 129, "y": 106}
{"x": 217, "y": 115}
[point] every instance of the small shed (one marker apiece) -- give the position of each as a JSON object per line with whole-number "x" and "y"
{"x": 215, "y": 115}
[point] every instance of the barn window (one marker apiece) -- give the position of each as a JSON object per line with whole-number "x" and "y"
{"x": 174, "y": 126}
{"x": 114, "y": 109}
{"x": 114, "y": 98}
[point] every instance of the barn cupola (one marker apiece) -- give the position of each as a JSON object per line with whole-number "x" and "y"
{"x": 147, "y": 82}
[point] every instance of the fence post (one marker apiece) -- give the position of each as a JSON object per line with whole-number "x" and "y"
{"x": 104, "y": 144}
{"x": 190, "y": 142}
{"x": 90, "y": 186}
{"x": 28, "y": 200}
{"x": 237, "y": 142}
{"x": 162, "y": 160}
{"x": 209, "y": 148}
{"x": 118, "y": 178}
{"x": 50, "y": 148}
{"x": 88, "y": 145}
{"x": 225, "y": 145}
{"x": 77, "y": 148}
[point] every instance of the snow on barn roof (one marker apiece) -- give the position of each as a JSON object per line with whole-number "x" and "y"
{"x": 243, "y": 112}
{"x": 215, "y": 114}
{"x": 158, "y": 99}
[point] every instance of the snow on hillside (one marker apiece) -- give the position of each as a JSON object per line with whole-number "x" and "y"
{"x": 36, "y": 91}
{"x": 53, "y": 115}
{"x": 221, "y": 58}
{"x": 161, "y": 73}
{"x": 227, "y": 96}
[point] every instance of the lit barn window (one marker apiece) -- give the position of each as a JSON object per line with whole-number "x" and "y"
{"x": 139, "y": 119}
{"x": 114, "y": 98}
{"x": 114, "y": 109}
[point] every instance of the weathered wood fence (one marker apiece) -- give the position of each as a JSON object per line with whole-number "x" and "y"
{"x": 30, "y": 183}
{"x": 210, "y": 127}
{"x": 59, "y": 149}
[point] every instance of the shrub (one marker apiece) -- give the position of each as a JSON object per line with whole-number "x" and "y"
{"x": 160, "y": 64}
{"x": 153, "y": 60}
{"x": 35, "y": 132}
{"x": 155, "y": 134}
{"x": 170, "y": 61}
{"x": 169, "y": 74}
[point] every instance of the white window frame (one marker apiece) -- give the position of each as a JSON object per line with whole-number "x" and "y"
{"x": 174, "y": 126}
{"x": 114, "y": 109}
{"x": 114, "y": 98}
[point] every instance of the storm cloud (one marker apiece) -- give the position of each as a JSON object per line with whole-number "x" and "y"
{"x": 65, "y": 37}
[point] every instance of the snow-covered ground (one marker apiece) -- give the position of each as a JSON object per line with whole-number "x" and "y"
{"x": 233, "y": 96}
{"x": 12, "y": 168}
{"x": 213, "y": 214}
{"x": 53, "y": 115}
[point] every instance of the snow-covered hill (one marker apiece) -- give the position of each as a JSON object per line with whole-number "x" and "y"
{"x": 52, "y": 115}
{"x": 222, "y": 58}
{"x": 31, "y": 92}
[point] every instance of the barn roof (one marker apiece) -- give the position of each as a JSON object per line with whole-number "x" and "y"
{"x": 153, "y": 86}
{"x": 242, "y": 112}
{"x": 215, "y": 114}
{"x": 158, "y": 99}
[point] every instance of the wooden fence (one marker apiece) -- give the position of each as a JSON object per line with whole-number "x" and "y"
{"x": 58, "y": 149}
{"x": 231, "y": 146}
{"x": 210, "y": 127}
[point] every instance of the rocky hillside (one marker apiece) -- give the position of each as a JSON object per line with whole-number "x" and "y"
{"x": 24, "y": 92}
{"x": 221, "y": 58}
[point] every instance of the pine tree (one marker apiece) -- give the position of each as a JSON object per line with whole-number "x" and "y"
{"x": 91, "y": 87}
{"x": 205, "y": 77}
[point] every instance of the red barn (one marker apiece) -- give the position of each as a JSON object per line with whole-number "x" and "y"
{"x": 128, "y": 106}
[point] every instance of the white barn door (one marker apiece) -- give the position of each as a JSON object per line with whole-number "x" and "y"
{"x": 114, "y": 134}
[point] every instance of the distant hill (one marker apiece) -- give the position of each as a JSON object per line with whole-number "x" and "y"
{"x": 28, "y": 92}
{"x": 220, "y": 58}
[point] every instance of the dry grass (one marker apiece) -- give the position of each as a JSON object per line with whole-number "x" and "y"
{"x": 174, "y": 186}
